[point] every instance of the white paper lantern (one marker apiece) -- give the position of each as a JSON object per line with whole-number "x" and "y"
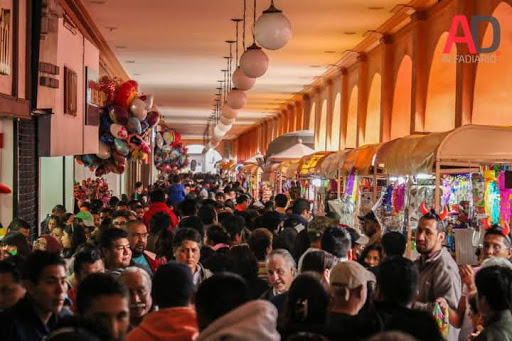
{"x": 229, "y": 112}
{"x": 224, "y": 127}
{"x": 273, "y": 30}
{"x": 241, "y": 81}
{"x": 226, "y": 120}
{"x": 217, "y": 132}
{"x": 254, "y": 62}
{"x": 237, "y": 99}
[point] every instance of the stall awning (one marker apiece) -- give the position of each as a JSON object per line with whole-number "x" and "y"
{"x": 255, "y": 159}
{"x": 249, "y": 169}
{"x": 307, "y": 165}
{"x": 359, "y": 160}
{"x": 331, "y": 165}
{"x": 288, "y": 140}
{"x": 471, "y": 144}
{"x": 297, "y": 151}
{"x": 291, "y": 170}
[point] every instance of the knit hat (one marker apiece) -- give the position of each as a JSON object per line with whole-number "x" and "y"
{"x": 52, "y": 244}
{"x": 176, "y": 276}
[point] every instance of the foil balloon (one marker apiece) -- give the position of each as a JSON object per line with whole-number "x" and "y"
{"x": 135, "y": 142}
{"x": 104, "y": 151}
{"x": 138, "y": 109}
{"x": 118, "y": 131}
{"x": 108, "y": 86}
{"x": 134, "y": 125}
{"x": 101, "y": 170}
{"x": 118, "y": 114}
{"x": 153, "y": 117}
{"x": 121, "y": 147}
{"x": 105, "y": 123}
{"x": 107, "y": 138}
{"x": 119, "y": 169}
{"x": 177, "y": 138}
{"x": 168, "y": 137}
{"x": 126, "y": 93}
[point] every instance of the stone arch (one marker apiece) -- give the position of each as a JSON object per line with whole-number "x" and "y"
{"x": 493, "y": 81}
{"x": 322, "y": 129}
{"x": 401, "y": 112}
{"x": 441, "y": 93}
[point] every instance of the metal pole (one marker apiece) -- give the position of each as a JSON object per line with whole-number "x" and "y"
{"x": 437, "y": 190}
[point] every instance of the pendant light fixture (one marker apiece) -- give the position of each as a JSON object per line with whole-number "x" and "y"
{"x": 229, "y": 113}
{"x": 240, "y": 80}
{"x": 254, "y": 62}
{"x": 273, "y": 30}
{"x": 236, "y": 99}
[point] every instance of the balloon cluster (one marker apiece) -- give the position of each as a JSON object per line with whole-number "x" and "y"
{"x": 170, "y": 153}
{"x": 90, "y": 189}
{"x": 124, "y": 123}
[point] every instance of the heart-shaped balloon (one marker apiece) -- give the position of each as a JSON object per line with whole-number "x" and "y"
{"x": 118, "y": 131}
{"x": 133, "y": 125}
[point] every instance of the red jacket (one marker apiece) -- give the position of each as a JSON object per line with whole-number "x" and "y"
{"x": 153, "y": 261}
{"x": 159, "y": 207}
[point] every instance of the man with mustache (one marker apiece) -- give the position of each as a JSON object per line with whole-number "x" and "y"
{"x": 138, "y": 282}
{"x": 438, "y": 273}
{"x": 138, "y": 239}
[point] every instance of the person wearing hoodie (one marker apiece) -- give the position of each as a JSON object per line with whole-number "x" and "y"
{"x": 176, "y": 317}
{"x": 176, "y": 191}
{"x": 238, "y": 318}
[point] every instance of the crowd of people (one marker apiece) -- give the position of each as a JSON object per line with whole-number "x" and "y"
{"x": 200, "y": 260}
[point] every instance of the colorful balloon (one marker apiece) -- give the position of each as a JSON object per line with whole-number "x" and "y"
{"x": 126, "y": 93}
{"x": 121, "y": 147}
{"x": 107, "y": 138}
{"x": 104, "y": 151}
{"x": 148, "y": 101}
{"x": 105, "y": 123}
{"x": 153, "y": 118}
{"x": 144, "y": 127}
{"x": 118, "y": 157}
{"x": 118, "y": 131}
{"x": 138, "y": 109}
{"x": 118, "y": 114}
{"x": 133, "y": 125}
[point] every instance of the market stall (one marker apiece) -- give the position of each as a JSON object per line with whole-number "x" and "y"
{"x": 314, "y": 188}
{"x": 464, "y": 173}
{"x": 251, "y": 175}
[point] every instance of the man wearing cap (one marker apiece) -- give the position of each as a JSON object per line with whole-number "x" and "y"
{"x": 370, "y": 226}
{"x": 357, "y": 242}
{"x": 348, "y": 291}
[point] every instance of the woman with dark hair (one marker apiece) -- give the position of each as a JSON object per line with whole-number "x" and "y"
{"x": 160, "y": 236}
{"x": 306, "y": 307}
{"x": 242, "y": 261}
{"x": 14, "y": 244}
{"x": 371, "y": 256}
{"x": 320, "y": 262}
{"x": 72, "y": 237}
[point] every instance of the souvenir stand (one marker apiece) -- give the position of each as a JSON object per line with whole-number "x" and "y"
{"x": 466, "y": 172}
{"x": 227, "y": 169}
{"x": 270, "y": 181}
{"x": 355, "y": 167}
{"x": 292, "y": 155}
{"x": 314, "y": 188}
{"x": 251, "y": 173}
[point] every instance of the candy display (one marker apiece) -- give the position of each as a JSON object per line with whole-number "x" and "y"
{"x": 170, "y": 153}
{"x": 124, "y": 125}
{"x": 90, "y": 189}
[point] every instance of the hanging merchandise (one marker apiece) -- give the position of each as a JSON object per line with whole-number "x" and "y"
{"x": 170, "y": 153}
{"x": 492, "y": 196}
{"x": 92, "y": 189}
{"x": 124, "y": 124}
{"x": 506, "y": 197}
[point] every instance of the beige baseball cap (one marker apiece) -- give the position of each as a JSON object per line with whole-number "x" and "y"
{"x": 351, "y": 274}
